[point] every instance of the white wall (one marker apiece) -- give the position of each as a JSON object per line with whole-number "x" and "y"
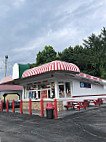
{"x": 76, "y": 90}
{"x": 15, "y": 71}
{"x": 94, "y": 90}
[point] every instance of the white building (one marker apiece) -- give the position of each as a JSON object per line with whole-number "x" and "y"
{"x": 60, "y": 80}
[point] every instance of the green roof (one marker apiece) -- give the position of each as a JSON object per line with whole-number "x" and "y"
{"x": 22, "y": 68}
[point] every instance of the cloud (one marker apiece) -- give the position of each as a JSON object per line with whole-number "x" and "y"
{"x": 4, "y": 10}
{"x": 18, "y": 3}
{"x": 26, "y": 26}
{"x": 51, "y": 37}
{"x": 71, "y": 24}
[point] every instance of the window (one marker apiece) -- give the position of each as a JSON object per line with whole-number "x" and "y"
{"x": 68, "y": 91}
{"x": 38, "y": 94}
{"x": 61, "y": 90}
{"x": 52, "y": 90}
{"x": 42, "y": 89}
{"x": 31, "y": 95}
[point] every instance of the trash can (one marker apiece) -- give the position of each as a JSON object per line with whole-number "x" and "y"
{"x": 49, "y": 110}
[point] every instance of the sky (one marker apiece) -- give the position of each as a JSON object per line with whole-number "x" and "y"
{"x": 26, "y": 26}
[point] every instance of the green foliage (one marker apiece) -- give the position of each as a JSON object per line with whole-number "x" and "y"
{"x": 97, "y": 47}
{"x": 32, "y": 65}
{"x": 90, "y": 58}
{"x": 45, "y": 56}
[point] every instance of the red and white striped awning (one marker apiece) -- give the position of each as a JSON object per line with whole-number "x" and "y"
{"x": 52, "y": 66}
{"x": 89, "y": 77}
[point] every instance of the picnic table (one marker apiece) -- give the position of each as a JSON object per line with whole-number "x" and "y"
{"x": 94, "y": 101}
{"x": 78, "y": 104}
{"x": 102, "y": 100}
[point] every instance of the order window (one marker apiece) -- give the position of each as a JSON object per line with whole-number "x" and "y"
{"x": 61, "y": 90}
{"x": 68, "y": 90}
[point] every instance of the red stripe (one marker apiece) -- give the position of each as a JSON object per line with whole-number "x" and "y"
{"x": 81, "y": 74}
{"x": 100, "y": 79}
{"x": 95, "y": 78}
{"x": 55, "y": 65}
{"x": 88, "y": 76}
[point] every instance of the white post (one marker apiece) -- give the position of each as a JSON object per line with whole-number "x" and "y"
{"x": 64, "y": 90}
{"x": 56, "y": 90}
{"x": 23, "y": 92}
{"x": 37, "y": 91}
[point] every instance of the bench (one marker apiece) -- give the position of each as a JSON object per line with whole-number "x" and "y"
{"x": 75, "y": 104}
{"x": 94, "y": 101}
{"x": 102, "y": 100}
{"x": 67, "y": 106}
{"x": 86, "y": 103}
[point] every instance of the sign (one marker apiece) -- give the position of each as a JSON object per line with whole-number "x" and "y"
{"x": 85, "y": 85}
{"x": 44, "y": 94}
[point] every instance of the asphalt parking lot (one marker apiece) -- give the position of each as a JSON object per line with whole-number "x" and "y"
{"x": 86, "y": 126}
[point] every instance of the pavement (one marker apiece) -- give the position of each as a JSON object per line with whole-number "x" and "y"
{"x": 83, "y": 126}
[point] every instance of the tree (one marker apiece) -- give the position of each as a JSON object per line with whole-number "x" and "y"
{"x": 76, "y": 55}
{"x": 90, "y": 58}
{"x": 47, "y": 55}
{"x": 96, "y": 47}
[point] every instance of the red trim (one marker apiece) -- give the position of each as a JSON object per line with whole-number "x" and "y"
{"x": 89, "y": 95}
{"x": 88, "y": 76}
{"x": 81, "y": 74}
{"x": 100, "y": 79}
{"x": 95, "y": 78}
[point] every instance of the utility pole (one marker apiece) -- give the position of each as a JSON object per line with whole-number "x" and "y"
{"x": 6, "y": 57}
